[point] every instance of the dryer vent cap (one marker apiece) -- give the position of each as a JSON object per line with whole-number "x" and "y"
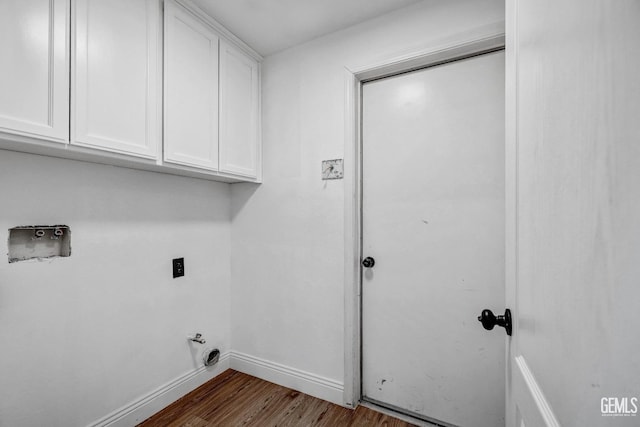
{"x": 210, "y": 357}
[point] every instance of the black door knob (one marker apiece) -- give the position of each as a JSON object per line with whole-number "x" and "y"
{"x": 489, "y": 320}
{"x": 368, "y": 262}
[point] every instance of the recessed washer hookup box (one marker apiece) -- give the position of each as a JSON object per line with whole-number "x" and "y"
{"x": 39, "y": 242}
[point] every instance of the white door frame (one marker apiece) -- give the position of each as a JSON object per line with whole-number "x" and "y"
{"x": 482, "y": 40}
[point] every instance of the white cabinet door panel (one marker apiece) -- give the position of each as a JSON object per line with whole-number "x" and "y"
{"x": 239, "y": 100}
{"x": 190, "y": 90}
{"x": 116, "y": 76}
{"x": 34, "y": 62}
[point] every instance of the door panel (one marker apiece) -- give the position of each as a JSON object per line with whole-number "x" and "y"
{"x": 191, "y": 90}
{"x": 238, "y": 112}
{"x": 34, "y": 59}
{"x": 573, "y": 103}
{"x": 116, "y": 76}
{"x": 433, "y": 219}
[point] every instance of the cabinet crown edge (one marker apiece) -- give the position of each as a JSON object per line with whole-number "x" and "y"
{"x": 219, "y": 28}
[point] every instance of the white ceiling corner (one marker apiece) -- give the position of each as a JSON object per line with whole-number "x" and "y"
{"x": 269, "y": 26}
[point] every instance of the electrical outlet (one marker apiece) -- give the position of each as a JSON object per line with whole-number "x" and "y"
{"x": 178, "y": 267}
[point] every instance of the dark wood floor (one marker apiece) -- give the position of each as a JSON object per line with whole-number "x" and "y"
{"x": 237, "y": 399}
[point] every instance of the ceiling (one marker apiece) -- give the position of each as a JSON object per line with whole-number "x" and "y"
{"x": 269, "y": 26}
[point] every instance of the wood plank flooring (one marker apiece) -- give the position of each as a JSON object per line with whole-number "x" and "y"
{"x": 237, "y": 399}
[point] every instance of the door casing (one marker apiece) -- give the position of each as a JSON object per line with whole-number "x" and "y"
{"x": 465, "y": 45}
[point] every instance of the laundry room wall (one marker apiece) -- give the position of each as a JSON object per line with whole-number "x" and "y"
{"x": 288, "y": 234}
{"x": 83, "y": 337}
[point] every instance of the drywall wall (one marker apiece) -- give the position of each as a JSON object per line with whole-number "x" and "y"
{"x": 287, "y": 234}
{"x": 84, "y": 335}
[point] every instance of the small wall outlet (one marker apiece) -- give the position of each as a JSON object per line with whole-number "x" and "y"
{"x": 178, "y": 267}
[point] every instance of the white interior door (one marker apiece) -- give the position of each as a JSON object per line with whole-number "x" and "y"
{"x": 433, "y": 220}
{"x": 573, "y": 217}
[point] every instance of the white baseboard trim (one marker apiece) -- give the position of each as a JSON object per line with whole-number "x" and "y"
{"x": 158, "y": 399}
{"x": 153, "y": 402}
{"x": 306, "y": 382}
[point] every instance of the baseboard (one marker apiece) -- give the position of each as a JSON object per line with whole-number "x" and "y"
{"x": 153, "y": 402}
{"x": 158, "y": 399}
{"x": 306, "y": 382}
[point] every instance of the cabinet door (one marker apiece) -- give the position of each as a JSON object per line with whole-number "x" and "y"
{"x": 34, "y": 62}
{"x": 239, "y": 101}
{"x": 115, "y": 105}
{"x": 190, "y": 90}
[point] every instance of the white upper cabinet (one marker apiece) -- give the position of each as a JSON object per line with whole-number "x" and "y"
{"x": 89, "y": 77}
{"x": 115, "y": 96}
{"x": 34, "y": 67}
{"x": 190, "y": 90}
{"x": 239, "y": 109}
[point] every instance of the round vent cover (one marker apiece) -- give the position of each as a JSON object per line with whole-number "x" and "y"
{"x": 210, "y": 357}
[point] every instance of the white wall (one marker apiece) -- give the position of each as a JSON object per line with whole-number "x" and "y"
{"x": 83, "y": 336}
{"x": 287, "y": 235}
